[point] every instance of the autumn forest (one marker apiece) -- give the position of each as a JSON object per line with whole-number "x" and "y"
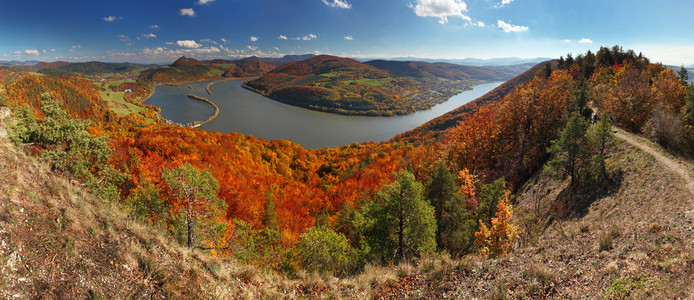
{"x": 448, "y": 186}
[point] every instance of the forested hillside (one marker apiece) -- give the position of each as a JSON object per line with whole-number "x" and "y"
{"x": 464, "y": 186}
{"x": 346, "y": 86}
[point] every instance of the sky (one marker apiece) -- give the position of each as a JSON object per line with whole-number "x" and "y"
{"x": 160, "y": 31}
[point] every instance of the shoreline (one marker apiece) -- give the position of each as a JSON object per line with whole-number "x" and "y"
{"x": 216, "y": 110}
{"x": 194, "y": 124}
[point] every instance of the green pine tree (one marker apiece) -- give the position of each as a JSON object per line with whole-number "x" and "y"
{"x": 401, "y": 224}
{"x": 204, "y": 211}
{"x": 455, "y": 223}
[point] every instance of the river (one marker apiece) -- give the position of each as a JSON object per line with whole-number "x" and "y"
{"x": 246, "y": 112}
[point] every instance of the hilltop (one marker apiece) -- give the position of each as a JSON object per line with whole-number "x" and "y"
{"x": 189, "y": 69}
{"x": 346, "y": 86}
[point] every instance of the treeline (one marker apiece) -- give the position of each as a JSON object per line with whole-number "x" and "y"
{"x": 640, "y": 96}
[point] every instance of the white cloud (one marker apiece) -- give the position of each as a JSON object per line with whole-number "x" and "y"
{"x": 252, "y": 47}
{"x": 123, "y": 38}
{"x": 348, "y": 38}
{"x": 309, "y": 37}
{"x": 281, "y": 37}
{"x": 201, "y": 2}
{"x": 479, "y": 24}
{"x": 186, "y": 12}
{"x": 254, "y": 38}
{"x": 209, "y": 41}
{"x": 566, "y": 41}
{"x": 224, "y": 40}
{"x": 337, "y": 3}
{"x": 149, "y": 35}
{"x": 188, "y": 44}
{"x": 170, "y": 43}
{"x": 18, "y": 52}
{"x": 504, "y": 2}
{"x": 506, "y": 27}
{"x": 44, "y": 50}
{"x": 441, "y": 9}
{"x": 52, "y": 50}
{"x": 585, "y": 41}
{"x": 110, "y": 18}
{"x": 155, "y": 26}
{"x": 32, "y": 51}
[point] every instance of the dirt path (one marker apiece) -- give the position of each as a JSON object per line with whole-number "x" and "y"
{"x": 673, "y": 165}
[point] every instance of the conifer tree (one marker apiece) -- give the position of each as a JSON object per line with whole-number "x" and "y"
{"x": 570, "y": 150}
{"x": 401, "y": 223}
{"x": 197, "y": 194}
{"x": 455, "y": 222}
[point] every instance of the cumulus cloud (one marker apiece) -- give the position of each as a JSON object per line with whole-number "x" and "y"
{"x": 281, "y": 37}
{"x": 505, "y": 2}
{"x": 309, "y": 37}
{"x": 506, "y": 27}
{"x": 337, "y": 3}
{"x": 201, "y": 2}
{"x": 441, "y": 9}
{"x": 186, "y": 12}
{"x": 585, "y": 41}
{"x": 155, "y": 26}
{"x": 254, "y": 38}
{"x": 479, "y": 24}
{"x": 223, "y": 40}
{"x": 348, "y": 38}
{"x": 149, "y": 35}
{"x": 252, "y": 47}
{"x": 32, "y": 51}
{"x": 110, "y": 18}
{"x": 188, "y": 44}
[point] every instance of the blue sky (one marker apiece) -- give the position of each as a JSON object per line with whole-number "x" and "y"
{"x": 163, "y": 30}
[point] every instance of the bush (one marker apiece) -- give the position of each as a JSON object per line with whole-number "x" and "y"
{"x": 323, "y": 250}
{"x": 665, "y": 128}
{"x": 67, "y": 145}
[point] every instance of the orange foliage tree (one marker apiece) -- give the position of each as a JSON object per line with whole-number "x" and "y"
{"x": 499, "y": 239}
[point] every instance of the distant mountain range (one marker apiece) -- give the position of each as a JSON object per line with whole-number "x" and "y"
{"x": 475, "y": 62}
{"x": 291, "y": 58}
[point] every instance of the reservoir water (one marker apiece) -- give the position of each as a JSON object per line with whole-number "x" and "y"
{"x": 246, "y": 112}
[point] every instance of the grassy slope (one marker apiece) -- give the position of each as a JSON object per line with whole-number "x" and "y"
{"x": 57, "y": 241}
{"x": 117, "y": 103}
{"x": 632, "y": 238}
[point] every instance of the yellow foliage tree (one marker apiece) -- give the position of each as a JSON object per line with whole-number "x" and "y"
{"x": 467, "y": 181}
{"x": 499, "y": 239}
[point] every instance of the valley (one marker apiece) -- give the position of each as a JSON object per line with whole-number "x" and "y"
{"x": 509, "y": 190}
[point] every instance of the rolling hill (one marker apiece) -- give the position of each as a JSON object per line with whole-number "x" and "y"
{"x": 347, "y": 86}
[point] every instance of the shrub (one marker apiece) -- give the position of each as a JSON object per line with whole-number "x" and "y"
{"x": 665, "y": 128}
{"x": 67, "y": 145}
{"x": 323, "y": 250}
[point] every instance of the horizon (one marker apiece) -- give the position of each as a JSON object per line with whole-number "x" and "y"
{"x": 156, "y": 32}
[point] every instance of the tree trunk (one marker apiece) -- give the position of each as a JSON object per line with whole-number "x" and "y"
{"x": 189, "y": 220}
{"x": 401, "y": 237}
